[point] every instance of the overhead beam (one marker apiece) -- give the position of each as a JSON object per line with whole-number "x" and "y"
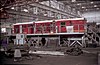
{"x": 9, "y": 3}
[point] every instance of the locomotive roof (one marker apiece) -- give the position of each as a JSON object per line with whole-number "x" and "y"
{"x": 59, "y": 20}
{"x": 24, "y": 23}
{"x": 49, "y": 21}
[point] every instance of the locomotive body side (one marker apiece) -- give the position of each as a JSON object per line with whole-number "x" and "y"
{"x": 16, "y": 28}
{"x": 43, "y": 27}
{"x": 71, "y": 26}
{"x": 51, "y": 26}
{"x": 23, "y": 28}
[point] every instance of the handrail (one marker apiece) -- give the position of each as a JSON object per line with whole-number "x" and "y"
{"x": 59, "y": 29}
{"x": 96, "y": 35}
{"x": 92, "y": 39}
{"x": 93, "y": 32}
{"x": 77, "y": 28}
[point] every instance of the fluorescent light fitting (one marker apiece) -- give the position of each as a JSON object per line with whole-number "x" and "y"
{"x": 92, "y": 2}
{"x": 78, "y": 4}
{"x": 12, "y": 7}
{"x": 95, "y": 5}
{"x": 73, "y": 0}
{"x": 97, "y": 8}
{"x": 83, "y": 7}
{"x": 25, "y": 10}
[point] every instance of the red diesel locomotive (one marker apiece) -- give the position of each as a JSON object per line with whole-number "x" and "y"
{"x": 68, "y": 31}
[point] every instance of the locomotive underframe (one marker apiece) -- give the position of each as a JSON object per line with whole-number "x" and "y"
{"x": 55, "y": 40}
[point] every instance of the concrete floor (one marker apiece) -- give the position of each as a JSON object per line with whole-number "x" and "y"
{"x": 84, "y": 59}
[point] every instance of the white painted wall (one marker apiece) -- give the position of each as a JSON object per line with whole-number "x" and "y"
{"x": 92, "y": 16}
